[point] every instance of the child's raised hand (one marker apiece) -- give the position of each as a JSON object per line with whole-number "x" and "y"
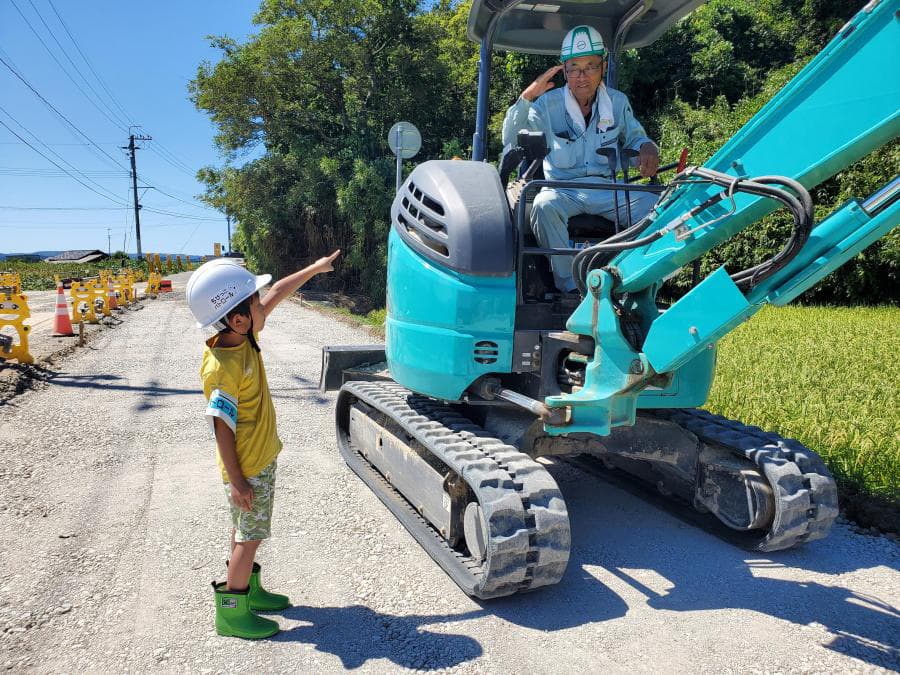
{"x": 325, "y": 264}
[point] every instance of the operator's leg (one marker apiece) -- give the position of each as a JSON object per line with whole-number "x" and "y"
{"x": 550, "y": 215}
{"x": 602, "y": 203}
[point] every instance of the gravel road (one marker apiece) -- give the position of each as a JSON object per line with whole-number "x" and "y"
{"x": 113, "y": 523}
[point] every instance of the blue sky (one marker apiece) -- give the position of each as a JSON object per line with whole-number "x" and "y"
{"x": 145, "y": 54}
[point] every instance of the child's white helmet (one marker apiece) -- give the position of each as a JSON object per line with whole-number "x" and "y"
{"x": 581, "y": 41}
{"x": 217, "y": 287}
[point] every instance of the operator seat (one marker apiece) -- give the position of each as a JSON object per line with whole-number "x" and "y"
{"x": 531, "y": 147}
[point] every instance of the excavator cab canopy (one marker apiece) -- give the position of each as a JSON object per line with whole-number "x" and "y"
{"x": 539, "y": 28}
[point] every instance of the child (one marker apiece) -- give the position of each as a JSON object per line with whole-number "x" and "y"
{"x": 224, "y": 295}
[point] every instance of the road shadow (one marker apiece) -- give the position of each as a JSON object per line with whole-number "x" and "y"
{"x": 109, "y": 382}
{"x": 152, "y": 394}
{"x": 617, "y": 537}
{"x": 357, "y": 634}
{"x": 308, "y": 390}
{"x": 577, "y": 600}
{"x": 306, "y": 393}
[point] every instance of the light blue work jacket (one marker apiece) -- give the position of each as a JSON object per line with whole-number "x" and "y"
{"x": 573, "y": 154}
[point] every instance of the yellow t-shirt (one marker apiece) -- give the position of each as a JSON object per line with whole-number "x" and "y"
{"x": 237, "y": 392}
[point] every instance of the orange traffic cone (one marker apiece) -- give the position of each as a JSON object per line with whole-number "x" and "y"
{"x": 111, "y": 295}
{"x": 62, "y": 324}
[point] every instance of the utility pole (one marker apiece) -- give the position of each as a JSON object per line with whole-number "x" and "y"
{"x": 108, "y": 242}
{"x": 137, "y": 206}
{"x": 228, "y": 241}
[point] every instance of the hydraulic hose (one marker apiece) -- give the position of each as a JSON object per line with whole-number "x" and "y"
{"x": 795, "y": 198}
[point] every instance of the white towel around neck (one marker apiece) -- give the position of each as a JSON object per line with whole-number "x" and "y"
{"x": 605, "y": 117}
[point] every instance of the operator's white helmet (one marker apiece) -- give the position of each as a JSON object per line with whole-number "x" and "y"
{"x": 581, "y": 41}
{"x": 217, "y": 287}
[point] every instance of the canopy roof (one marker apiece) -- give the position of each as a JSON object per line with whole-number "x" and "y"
{"x": 539, "y": 27}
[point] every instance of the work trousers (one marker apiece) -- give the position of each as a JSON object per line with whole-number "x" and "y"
{"x": 553, "y": 207}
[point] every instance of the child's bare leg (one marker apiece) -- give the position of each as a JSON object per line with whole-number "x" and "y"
{"x": 241, "y": 564}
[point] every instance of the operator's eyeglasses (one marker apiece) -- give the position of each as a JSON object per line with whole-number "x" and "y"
{"x": 582, "y": 72}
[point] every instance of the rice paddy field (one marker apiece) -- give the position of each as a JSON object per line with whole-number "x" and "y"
{"x": 39, "y": 276}
{"x": 827, "y": 376}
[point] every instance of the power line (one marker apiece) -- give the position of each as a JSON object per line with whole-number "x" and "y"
{"x": 64, "y": 208}
{"x": 63, "y": 117}
{"x": 85, "y": 58}
{"x": 170, "y": 159}
{"x": 58, "y": 62}
{"x": 56, "y": 154}
{"x": 61, "y": 144}
{"x": 75, "y": 66}
{"x": 60, "y": 226}
{"x": 161, "y": 151}
{"x": 50, "y": 173}
{"x": 54, "y": 163}
{"x": 196, "y": 206}
{"x": 187, "y": 241}
{"x": 179, "y": 215}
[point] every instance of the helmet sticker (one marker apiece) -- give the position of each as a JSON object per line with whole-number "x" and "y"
{"x": 224, "y": 296}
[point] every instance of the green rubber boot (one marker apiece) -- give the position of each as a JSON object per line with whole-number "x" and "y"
{"x": 234, "y": 618}
{"x": 260, "y": 599}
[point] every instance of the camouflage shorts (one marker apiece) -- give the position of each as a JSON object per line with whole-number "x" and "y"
{"x": 255, "y": 524}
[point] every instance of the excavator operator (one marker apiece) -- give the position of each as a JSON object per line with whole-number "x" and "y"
{"x": 582, "y": 122}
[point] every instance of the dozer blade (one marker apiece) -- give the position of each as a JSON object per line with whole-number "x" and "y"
{"x": 489, "y": 515}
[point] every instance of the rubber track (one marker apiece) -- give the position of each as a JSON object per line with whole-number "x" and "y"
{"x": 805, "y": 493}
{"x": 528, "y": 525}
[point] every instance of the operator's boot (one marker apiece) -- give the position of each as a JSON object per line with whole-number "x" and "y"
{"x": 234, "y": 618}
{"x": 260, "y": 599}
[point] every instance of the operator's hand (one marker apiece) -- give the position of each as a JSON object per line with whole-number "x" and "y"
{"x": 648, "y": 156}
{"x": 541, "y": 85}
{"x": 242, "y": 495}
{"x": 323, "y": 265}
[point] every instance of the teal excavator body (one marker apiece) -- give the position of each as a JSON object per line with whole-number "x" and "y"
{"x": 487, "y": 367}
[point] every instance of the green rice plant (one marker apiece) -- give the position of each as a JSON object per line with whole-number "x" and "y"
{"x": 827, "y": 376}
{"x": 38, "y": 276}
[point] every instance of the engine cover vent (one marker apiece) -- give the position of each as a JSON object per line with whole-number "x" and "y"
{"x": 456, "y": 214}
{"x": 486, "y": 351}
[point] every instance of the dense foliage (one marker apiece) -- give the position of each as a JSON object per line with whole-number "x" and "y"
{"x": 313, "y": 93}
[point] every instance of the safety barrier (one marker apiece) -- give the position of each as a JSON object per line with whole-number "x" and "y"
{"x": 11, "y": 280}
{"x": 125, "y": 280}
{"x": 13, "y": 312}
{"x": 153, "y": 280}
{"x": 83, "y": 307}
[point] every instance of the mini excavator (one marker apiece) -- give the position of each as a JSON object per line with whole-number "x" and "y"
{"x": 487, "y": 368}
